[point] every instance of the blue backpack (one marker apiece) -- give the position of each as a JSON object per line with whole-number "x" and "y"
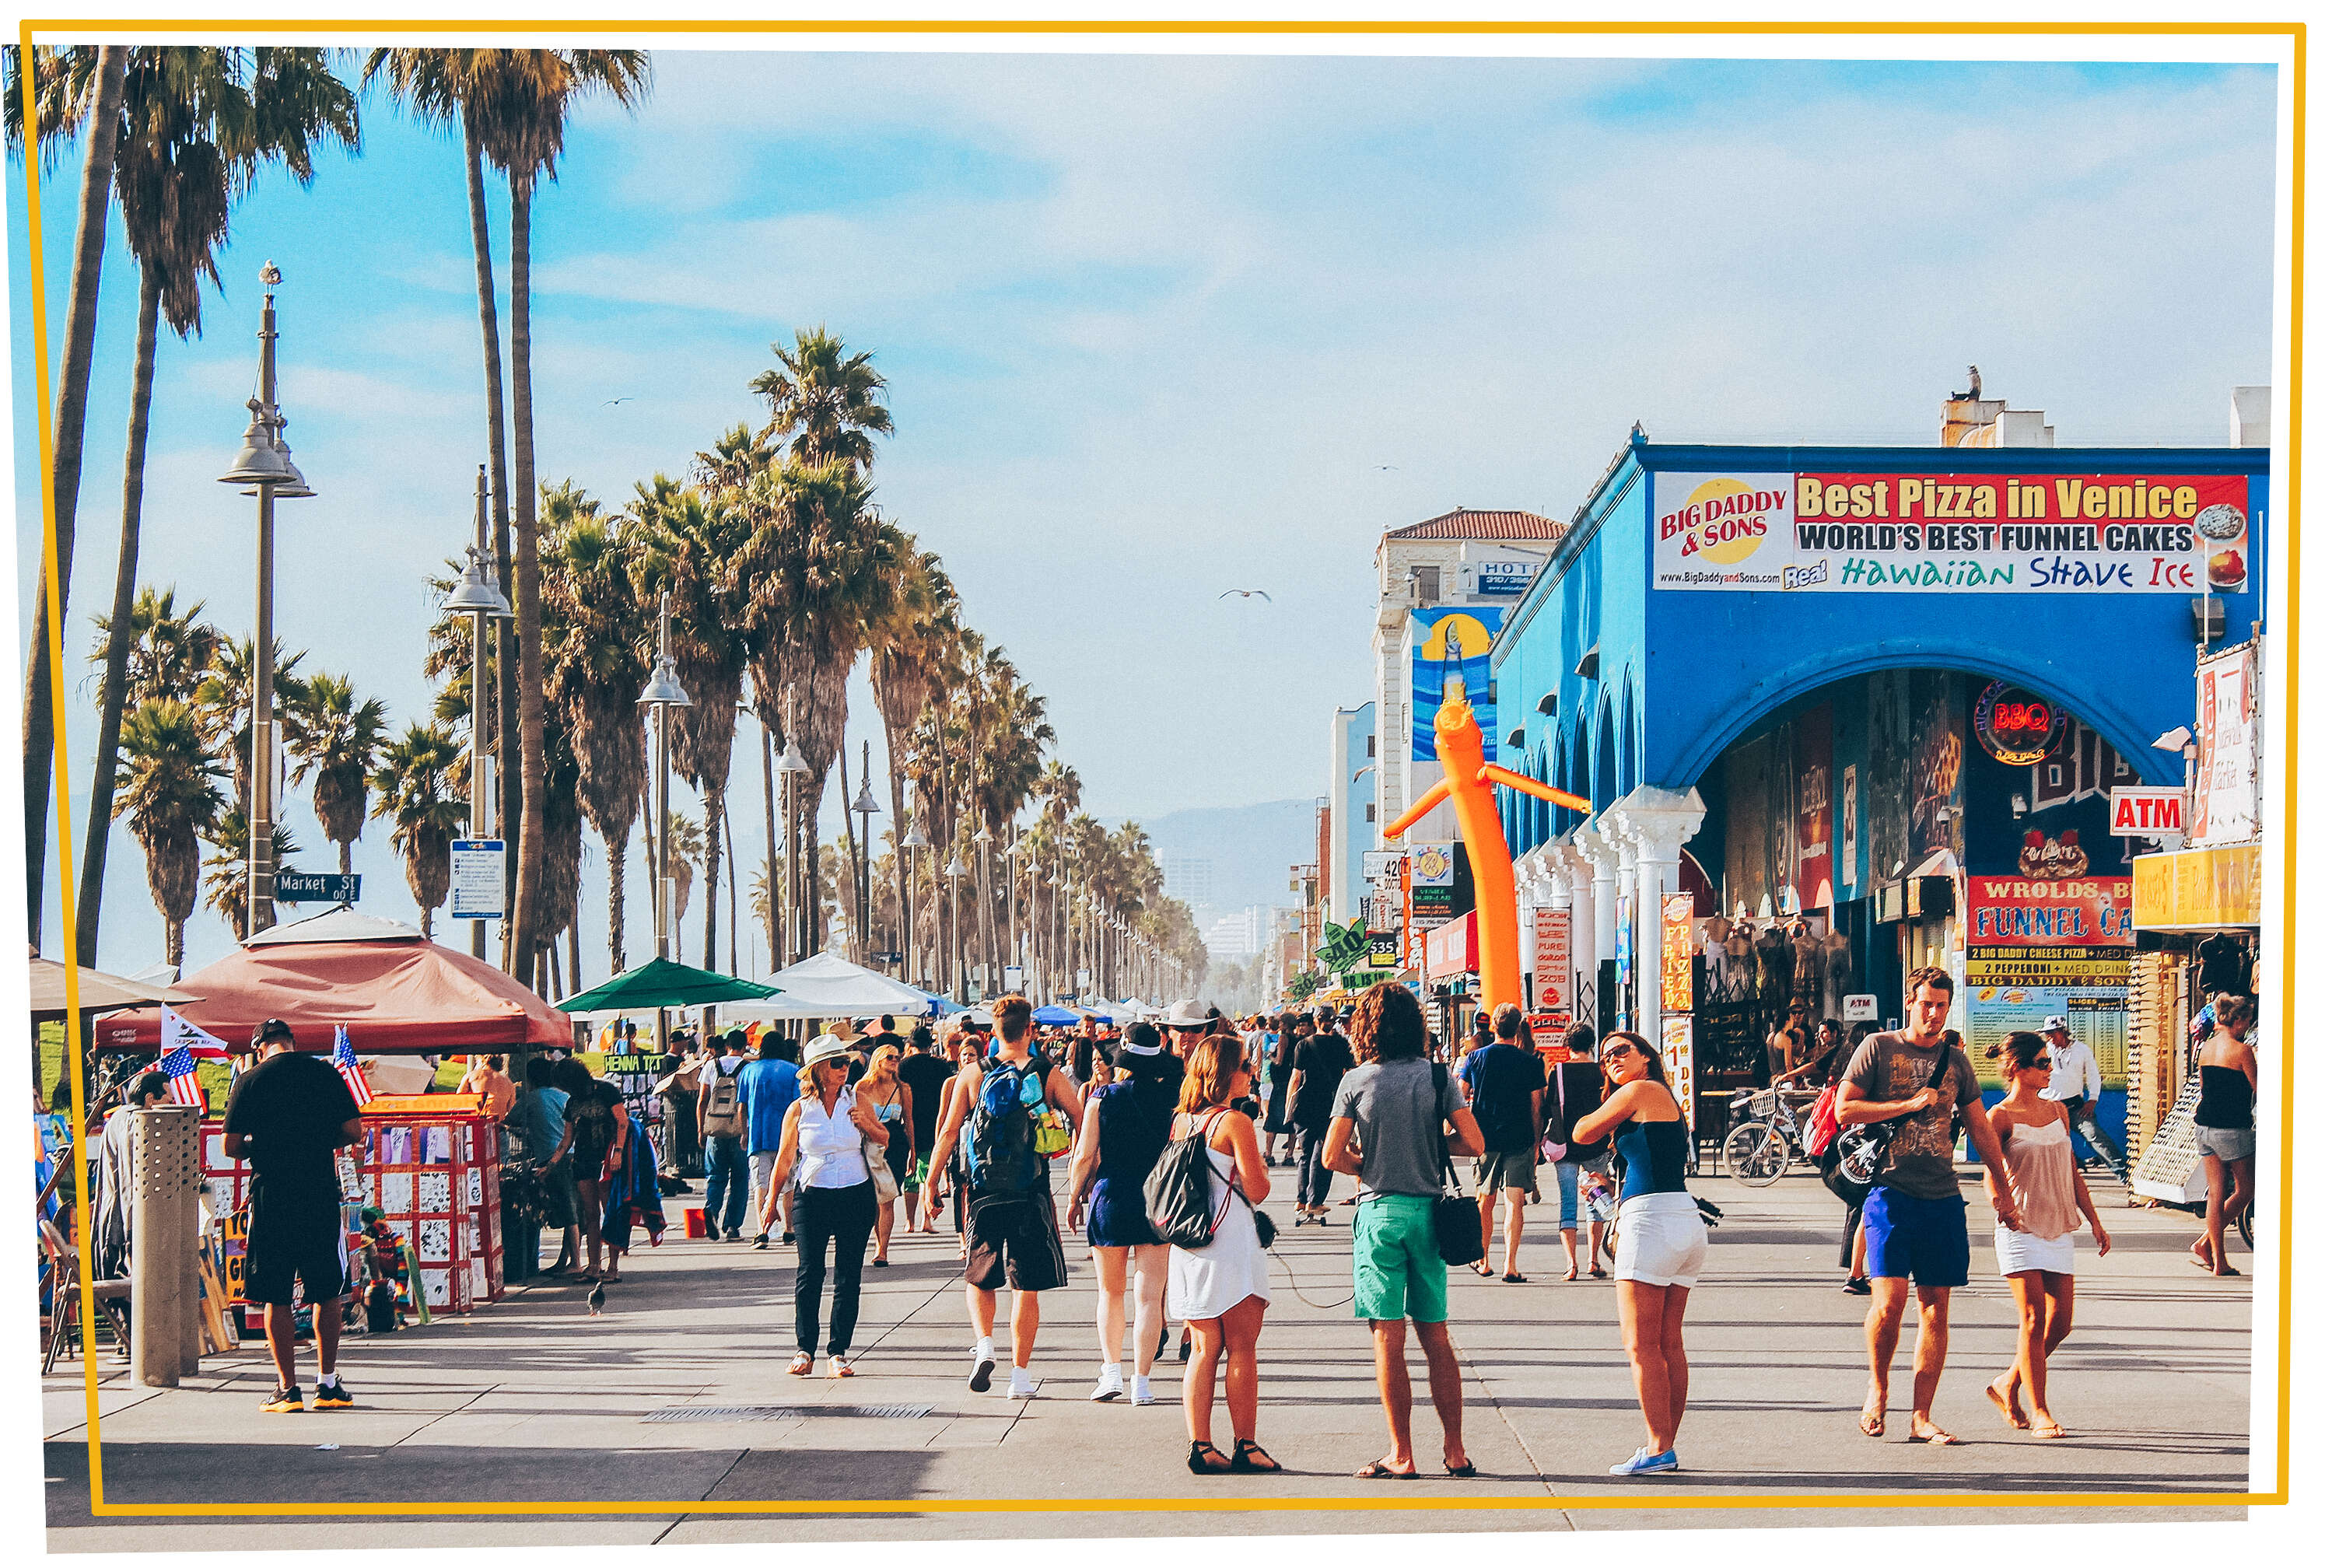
{"x": 1003, "y": 1133}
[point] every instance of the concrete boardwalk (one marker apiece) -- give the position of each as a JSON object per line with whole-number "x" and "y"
{"x": 531, "y": 1401}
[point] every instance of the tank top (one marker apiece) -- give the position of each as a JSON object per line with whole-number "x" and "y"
{"x": 2039, "y": 1162}
{"x": 1136, "y": 1119}
{"x": 832, "y": 1149}
{"x": 1654, "y": 1151}
{"x": 2226, "y": 1099}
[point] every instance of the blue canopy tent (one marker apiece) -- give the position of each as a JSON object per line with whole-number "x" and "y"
{"x": 1055, "y": 1018}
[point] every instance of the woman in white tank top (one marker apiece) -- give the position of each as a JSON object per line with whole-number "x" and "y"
{"x": 2037, "y": 1147}
{"x": 828, "y": 1130}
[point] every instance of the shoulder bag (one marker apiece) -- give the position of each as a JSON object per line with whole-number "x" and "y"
{"x": 1456, "y": 1219}
{"x": 1174, "y": 1196}
{"x": 1857, "y": 1152}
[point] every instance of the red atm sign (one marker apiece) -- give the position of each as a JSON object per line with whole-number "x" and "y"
{"x": 2149, "y": 810}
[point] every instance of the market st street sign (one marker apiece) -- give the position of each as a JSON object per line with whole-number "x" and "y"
{"x": 317, "y": 887}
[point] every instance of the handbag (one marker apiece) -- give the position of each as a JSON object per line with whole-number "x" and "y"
{"x": 1456, "y": 1219}
{"x": 1861, "y": 1150}
{"x": 1821, "y": 1123}
{"x": 886, "y": 1180}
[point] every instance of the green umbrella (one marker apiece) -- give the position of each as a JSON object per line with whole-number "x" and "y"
{"x": 662, "y": 983}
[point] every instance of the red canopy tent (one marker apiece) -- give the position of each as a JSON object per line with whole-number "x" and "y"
{"x": 394, "y": 989}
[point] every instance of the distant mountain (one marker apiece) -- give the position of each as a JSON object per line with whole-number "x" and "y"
{"x": 1248, "y": 848}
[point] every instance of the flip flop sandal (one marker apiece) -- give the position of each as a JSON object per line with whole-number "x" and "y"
{"x": 1516, "y": 1278}
{"x": 2051, "y": 1431}
{"x": 1937, "y": 1438}
{"x": 2000, "y": 1403}
{"x": 1873, "y": 1424}
{"x": 1465, "y": 1472}
{"x": 1378, "y": 1470}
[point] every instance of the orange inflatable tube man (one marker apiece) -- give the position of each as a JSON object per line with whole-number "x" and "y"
{"x": 1467, "y": 781}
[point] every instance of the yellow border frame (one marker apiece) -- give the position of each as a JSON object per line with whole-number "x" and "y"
{"x": 2296, "y": 32}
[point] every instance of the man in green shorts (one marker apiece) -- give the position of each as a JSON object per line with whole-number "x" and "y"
{"x": 1396, "y": 1117}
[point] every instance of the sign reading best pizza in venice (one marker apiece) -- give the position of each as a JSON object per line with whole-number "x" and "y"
{"x": 1952, "y": 533}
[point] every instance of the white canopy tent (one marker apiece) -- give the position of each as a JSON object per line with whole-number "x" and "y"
{"x": 824, "y": 986}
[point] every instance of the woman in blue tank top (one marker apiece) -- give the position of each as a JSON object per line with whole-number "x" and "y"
{"x": 1661, "y": 1241}
{"x": 1127, "y": 1125}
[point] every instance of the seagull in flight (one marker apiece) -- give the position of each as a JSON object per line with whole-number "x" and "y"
{"x": 1387, "y": 468}
{"x": 1244, "y": 594}
{"x": 611, "y": 402}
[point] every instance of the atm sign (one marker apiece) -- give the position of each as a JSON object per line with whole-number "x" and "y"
{"x": 2149, "y": 810}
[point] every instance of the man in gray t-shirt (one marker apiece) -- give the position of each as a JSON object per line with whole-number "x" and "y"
{"x": 1397, "y": 1113}
{"x": 1887, "y": 1067}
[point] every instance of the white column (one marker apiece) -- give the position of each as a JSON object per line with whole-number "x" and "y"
{"x": 1657, "y": 823}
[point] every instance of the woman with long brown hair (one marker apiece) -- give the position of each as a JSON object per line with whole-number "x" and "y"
{"x": 2223, "y": 1124}
{"x": 1661, "y": 1242}
{"x": 1221, "y": 1289}
{"x": 893, "y": 1104}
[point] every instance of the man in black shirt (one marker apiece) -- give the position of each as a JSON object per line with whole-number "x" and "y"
{"x": 1505, "y": 1082}
{"x": 926, "y": 1077}
{"x": 286, "y": 1117}
{"x": 1322, "y": 1060}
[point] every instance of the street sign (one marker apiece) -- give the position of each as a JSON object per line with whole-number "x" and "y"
{"x": 1380, "y": 864}
{"x": 2145, "y": 809}
{"x": 317, "y": 887}
{"x": 1012, "y": 973}
{"x": 1384, "y": 949}
{"x": 886, "y": 957}
{"x": 476, "y": 889}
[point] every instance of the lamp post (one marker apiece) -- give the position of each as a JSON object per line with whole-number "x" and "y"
{"x": 955, "y": 930}
{"x": 478, "y": 596}
{"x": 264, "y": 463}
{"x": 915, "y": 840}
{"x": 661, "y": 695}
{"x": 980, "y": 842}
{"x": 791, "y": 767}
{"x": 867, "y": 810}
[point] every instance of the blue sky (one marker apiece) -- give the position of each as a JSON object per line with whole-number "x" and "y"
{"x": 1161, "y": 326}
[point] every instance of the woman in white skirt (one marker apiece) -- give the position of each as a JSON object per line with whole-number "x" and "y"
{"x": 1661, "y": 1243}
{"x": 1221, "y": 1289}
{"x": 2037, "y": 1146}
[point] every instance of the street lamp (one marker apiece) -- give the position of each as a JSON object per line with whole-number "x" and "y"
{"x": 264, "y": 463}
{"x": 867, "y": 810}
{"x": 913, "y": 841}
{"x": 791, "y": 767}
{"x": 955, "y": 929}
{"x": 663, "y": 693}
{"x": 478, "y": 596}
{"x": 987, "y": 922}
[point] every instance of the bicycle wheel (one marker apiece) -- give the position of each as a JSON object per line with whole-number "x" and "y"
{"x": 2243, "y": 1224}
{"x": 1755, "y": 1155}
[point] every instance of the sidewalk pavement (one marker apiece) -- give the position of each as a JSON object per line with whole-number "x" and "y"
{"x": 678, "y": 1397}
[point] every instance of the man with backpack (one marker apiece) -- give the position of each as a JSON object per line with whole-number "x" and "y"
{"x": 1505, "y": 1083}
{"x": 720, "y": 1123}
{"x": 1004, "y": 1106}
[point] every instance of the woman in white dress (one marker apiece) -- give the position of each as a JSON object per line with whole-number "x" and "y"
{"x": 1220, "y": 1290}
{"x": 2037, "y": 1146}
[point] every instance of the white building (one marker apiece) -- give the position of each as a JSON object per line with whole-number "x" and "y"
{"x": 1352, "y": 767}
{"x": 1191, "y": 879}
{"x": 1460, "y": 560}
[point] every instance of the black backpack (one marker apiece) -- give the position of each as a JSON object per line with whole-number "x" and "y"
{"x": 1004, "y": 1160}
{"x": 1175, "y": 1195}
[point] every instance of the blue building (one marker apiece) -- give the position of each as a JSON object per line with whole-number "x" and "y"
{"x": 1852, "y": 699}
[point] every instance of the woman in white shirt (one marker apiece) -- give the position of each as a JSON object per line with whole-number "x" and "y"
{"x": 828, "y": 1129}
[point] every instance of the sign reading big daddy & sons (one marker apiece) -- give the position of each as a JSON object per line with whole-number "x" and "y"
{"x": 1952, "y": 533}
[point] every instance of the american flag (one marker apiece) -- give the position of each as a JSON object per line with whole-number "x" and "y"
{"x": 344, "y": 1058}
{"x": 179, "y": 1066}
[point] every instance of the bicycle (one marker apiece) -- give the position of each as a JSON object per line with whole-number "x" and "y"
{"x": 1769, "y": 1136}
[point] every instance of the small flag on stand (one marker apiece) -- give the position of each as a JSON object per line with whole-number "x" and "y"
{"x": 179, "y": 1066}
{"x": 178, "y": 1034}
{"x": 344, "y": 1059}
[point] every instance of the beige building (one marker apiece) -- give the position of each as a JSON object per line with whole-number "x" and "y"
{"x": 1461, "y": 559}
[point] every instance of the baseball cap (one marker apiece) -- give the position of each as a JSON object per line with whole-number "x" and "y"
{"x": 2054, "y": 1022}
{"x": 272, "y": 1029}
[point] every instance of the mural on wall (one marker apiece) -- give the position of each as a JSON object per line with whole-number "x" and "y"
{"x": 1887, "y": 782}
{"x": 1938, "y": 766}
{"x": 1446, "y": 644}
{"x": 1811, "y": 813}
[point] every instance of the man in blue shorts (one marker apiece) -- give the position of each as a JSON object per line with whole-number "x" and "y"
{"x": 1914, "y": 1222}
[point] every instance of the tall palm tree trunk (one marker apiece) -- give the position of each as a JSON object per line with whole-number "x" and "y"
{"x": 898, "y": 841}
{"x": 616, "y": 847}
{"x": 850, "y": 910}
{"x": 64, "y": 467}
{"x": 715, "y": 804}
{"x": 769, "y": 816}
{"x": 526, "y": 577}
{"x": 575, "y": 940}
{"x": 728, "y": 833}
{"x": 100, "y": 832}
{"x": 497, "y": 461}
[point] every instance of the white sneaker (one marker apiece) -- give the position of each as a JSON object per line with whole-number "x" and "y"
{"x": 983, "y": 1366}
{"x": 1111, "y": 1383}
{"x": 1023, "y": 1387}
{"x": 1141, "y": 1395}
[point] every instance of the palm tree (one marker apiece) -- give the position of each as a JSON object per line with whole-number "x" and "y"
{"x": 196, "y": 126}
{"x": 222, "y": 700}
{"x": 167, "y": 651}
{"x": 103, "y": 90}
{"x": 226, "y": 875}
{"x": 169, "y": 789}
{"x": 687, "y": 541}
{"x": 827, "y": 401}
{"x": 525, "y": 96}
{"x": 332, "y": 735}
{"x": 415, "y": 781}
{"x": 908, "y": 644}
{"x": 594, "y": 663}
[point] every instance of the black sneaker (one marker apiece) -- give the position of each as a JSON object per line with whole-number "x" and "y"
{"x": 762, "y": 1242}
{"x": 333, "y": 1396}
{"x": 284, "y": 1401}
{"x": 1856, "y": 1287}
{"x": 733, "y": 1236}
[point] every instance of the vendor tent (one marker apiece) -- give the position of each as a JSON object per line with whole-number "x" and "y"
{"x": 97, "y": 990}
{"x": 824, "y": 986}
{"x": 662, "y": 983}
{"x": 392, "y": 987}
{"x": 1054, "y": 1018}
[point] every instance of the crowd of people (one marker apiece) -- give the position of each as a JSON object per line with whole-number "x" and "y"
{"x": 835, "y": 1145}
